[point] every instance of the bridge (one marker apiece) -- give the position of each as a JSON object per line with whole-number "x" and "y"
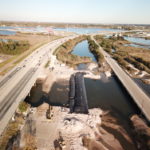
{"x": 138, "y": 95}
{"x": 16, "y": 85}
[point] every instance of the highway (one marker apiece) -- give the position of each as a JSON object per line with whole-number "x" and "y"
{"x": 9, "y": 76}
{"x": 16, "y": 85}
{"x": 140, "y": 98}
{"x": 9, "y": 99}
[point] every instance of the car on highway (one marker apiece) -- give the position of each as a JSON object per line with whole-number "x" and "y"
{"x": 18, "y": 68}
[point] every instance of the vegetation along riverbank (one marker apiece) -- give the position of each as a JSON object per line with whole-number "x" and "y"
{"x": 130, "y": 58}
{"x": 63, "y": 52}
{"x": 94, "y": 48}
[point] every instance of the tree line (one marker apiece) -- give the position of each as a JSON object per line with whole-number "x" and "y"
{"x": 13, "y": 47}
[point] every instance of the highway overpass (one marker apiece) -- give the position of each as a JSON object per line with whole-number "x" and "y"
{"x": 140, "y": 98}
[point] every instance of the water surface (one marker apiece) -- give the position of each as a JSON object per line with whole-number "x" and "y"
{"x": 137, "y": 45}
{"x": 82, "y": 49}
{"x": 108, "y": 94}
{"x": 6, "y": 32}
{"x": 86, "y": 30}
{"x": 46, "y": 29}
{"x": 138, "y": 40}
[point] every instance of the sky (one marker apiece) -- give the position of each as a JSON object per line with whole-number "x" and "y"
{"x": 77, "y": 11}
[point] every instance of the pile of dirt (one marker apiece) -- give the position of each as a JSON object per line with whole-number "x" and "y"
{"x": 141, "y": 132}
{"x": 112, "y": 134}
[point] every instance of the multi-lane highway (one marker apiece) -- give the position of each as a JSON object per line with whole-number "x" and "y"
{"x": 12, "y": 95}
{"x": 138, "y": 95}
{"x": 16, "y": 85}
{"x": 2, "y": 82}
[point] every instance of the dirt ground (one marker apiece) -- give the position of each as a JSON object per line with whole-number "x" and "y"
{"x": 32, "y": 38}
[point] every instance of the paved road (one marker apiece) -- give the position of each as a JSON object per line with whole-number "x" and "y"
{"x": 9, "y": 99}
{"x": 16, "y": 85}
{"x": 138, "y": 95}
{"x": 2, "y": 82}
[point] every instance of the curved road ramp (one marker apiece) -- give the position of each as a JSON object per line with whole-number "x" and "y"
{"x": 77, "y": 94}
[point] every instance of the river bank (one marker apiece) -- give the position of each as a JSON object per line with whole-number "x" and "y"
{"x": 49, "y": 125}
{"x": 134, "y": 60}
{"x": 63, "y": 53}
{"x": 99, "y": 129}
{"x": 104, "y": 127}
{"x": 55, "y": 90}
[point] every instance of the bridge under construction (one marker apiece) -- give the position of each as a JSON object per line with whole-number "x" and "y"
{"x": 77, "y": 94}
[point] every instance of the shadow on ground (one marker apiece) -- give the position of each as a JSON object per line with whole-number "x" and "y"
{"x": 58, "y": 95}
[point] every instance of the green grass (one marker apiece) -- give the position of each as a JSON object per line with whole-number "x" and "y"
{"x": 6, "y": 70}
{"x": 47, "y": 64}
{"x": 23, "y": 106}
{"x": 8, "y": 61}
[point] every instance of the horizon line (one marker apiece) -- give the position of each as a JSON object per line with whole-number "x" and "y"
{"x": 74, "y": 22}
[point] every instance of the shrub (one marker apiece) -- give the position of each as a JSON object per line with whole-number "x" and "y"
{"x": 94, "y": 48}
{"x": 12, "y": 47}
{"x": 120, "y": 60}
{"x": 23, "y": 106}
{"x": 63, "y": 52}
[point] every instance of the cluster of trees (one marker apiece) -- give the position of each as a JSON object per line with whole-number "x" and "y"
{"x": 125, "y": 60}
{"x": 94, "y": 48}
{"x": 120, "y": 60}
{"x": 63, "y": 52}
{"x": 12, "y": 47}
{"x": 105, "y": 43}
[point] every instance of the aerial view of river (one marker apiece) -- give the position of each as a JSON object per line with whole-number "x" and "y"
{"x": 106, "y": 93}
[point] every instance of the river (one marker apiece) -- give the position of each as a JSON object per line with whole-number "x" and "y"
{"x": 106, "y": 93}
{"x": 81, "y": 49}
